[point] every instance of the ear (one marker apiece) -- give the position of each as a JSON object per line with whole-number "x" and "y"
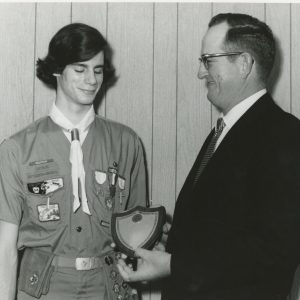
{"x": 56, "y": 74}
{"x": 246, "y": 64}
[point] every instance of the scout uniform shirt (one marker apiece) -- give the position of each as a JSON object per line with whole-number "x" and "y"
{"x": 36, "y": 186}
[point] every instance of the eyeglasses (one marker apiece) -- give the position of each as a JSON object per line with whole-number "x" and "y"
{"x": 205, "y": 57}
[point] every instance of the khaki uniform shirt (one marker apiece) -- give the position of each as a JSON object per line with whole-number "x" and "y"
{"x": 36, "y": 187}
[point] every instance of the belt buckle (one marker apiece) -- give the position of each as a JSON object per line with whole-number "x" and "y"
{"x": 85, "y": 263}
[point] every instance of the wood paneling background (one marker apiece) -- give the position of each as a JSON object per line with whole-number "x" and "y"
{"x": 156, "y": 49}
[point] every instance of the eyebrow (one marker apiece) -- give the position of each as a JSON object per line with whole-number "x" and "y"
{"x": 85, "y": 65}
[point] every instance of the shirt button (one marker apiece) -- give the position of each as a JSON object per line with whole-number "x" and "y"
{"x": 78, "y": 228}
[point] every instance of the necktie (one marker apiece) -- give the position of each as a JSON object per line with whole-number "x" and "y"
{"x": 210, "y": 148}
{"x": 78, "y": 173}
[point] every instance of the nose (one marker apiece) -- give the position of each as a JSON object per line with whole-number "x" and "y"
{"x": 90, "y": 78}
{"x": 202, "y": 72}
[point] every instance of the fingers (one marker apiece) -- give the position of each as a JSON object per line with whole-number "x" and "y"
{"x": 166, "y": 228}
{"x": 142, "y": 253}
{"x": 159, "y": 247}
{"x": 124, "y": 270}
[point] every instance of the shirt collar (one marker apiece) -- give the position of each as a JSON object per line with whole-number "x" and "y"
{"x": 61, "y": 120}
{"x": 238, "y": 110}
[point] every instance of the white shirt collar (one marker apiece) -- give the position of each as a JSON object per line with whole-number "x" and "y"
{"x": 237, "y": 111}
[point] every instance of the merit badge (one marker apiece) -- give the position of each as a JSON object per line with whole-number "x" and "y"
{"x": 45, "y": 187}
{"x": 49, "y": 212}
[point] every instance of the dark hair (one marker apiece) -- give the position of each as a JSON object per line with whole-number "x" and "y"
{"x": 248, "y": 34}
{"x": 73, "y": 43}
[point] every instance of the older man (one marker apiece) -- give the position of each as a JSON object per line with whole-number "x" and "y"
{"x": 235, "y": 233}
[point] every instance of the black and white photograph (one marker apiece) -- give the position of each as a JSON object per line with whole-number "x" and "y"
{"x": 149, "y": 150}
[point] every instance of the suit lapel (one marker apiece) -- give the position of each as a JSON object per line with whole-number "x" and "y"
{"x": 240, "y": 136}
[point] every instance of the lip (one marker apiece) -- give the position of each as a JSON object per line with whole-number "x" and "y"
{"x": 210, "y": 83}
{"x": 89, "y": 92}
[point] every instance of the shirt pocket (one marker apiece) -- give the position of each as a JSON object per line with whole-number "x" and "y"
{"x": 110, "y": 195}
{"x": 45, "y": 201}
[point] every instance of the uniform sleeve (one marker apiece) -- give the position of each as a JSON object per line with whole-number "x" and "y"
{"x": 138, "y": 184}
{"x": 11, "y": 196}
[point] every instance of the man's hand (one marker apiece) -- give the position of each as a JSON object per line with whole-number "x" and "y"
{"x": 151, "y": 265}
{"x": 161, "y": 243}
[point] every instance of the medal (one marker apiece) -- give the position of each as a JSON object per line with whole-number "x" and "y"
{"x": 112, "y": 177}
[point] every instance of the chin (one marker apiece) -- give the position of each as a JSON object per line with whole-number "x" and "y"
{"x": 87, "y": 99}
{"x": 211, "y": 98}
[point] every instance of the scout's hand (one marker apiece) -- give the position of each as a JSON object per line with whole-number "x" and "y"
{"x": 151, "y": 265}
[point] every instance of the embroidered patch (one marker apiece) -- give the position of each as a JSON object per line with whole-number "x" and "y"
{"x": 48, "y": 212}
{"x": 100, "y": 177}
{"x": 45, "y": 167}
{"x": 45, "y": 187}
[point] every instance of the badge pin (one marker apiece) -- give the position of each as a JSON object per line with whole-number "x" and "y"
{"x": 116, "y": 288}
{"x": 108, "y": 260}
{"x": 113, "y": 274}
{"x": 104, "y": 224}
{"x": 108, "y": 203}
{"x": 124, "y": 285}
{"x": 118, "y": 255}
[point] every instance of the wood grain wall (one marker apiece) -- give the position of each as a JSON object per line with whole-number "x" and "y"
{"x": 156, "y": 49}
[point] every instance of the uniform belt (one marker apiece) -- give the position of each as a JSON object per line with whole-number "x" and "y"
{"x": 79, "y": 263}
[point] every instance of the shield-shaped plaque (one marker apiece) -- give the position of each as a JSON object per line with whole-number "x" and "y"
{"x": 139, "y": 227}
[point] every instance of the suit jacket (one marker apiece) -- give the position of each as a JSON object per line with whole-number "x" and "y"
{"x": 236, "y": 234}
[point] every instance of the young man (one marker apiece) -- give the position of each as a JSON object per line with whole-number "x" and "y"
{"x": 235, "y": 233}
{"x": 62, "y": 177}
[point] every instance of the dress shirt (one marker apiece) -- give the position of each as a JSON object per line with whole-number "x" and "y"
{"x": 236, "y": 112}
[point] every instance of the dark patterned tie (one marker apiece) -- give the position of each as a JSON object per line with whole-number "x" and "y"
{"x": 210, "y": 148}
